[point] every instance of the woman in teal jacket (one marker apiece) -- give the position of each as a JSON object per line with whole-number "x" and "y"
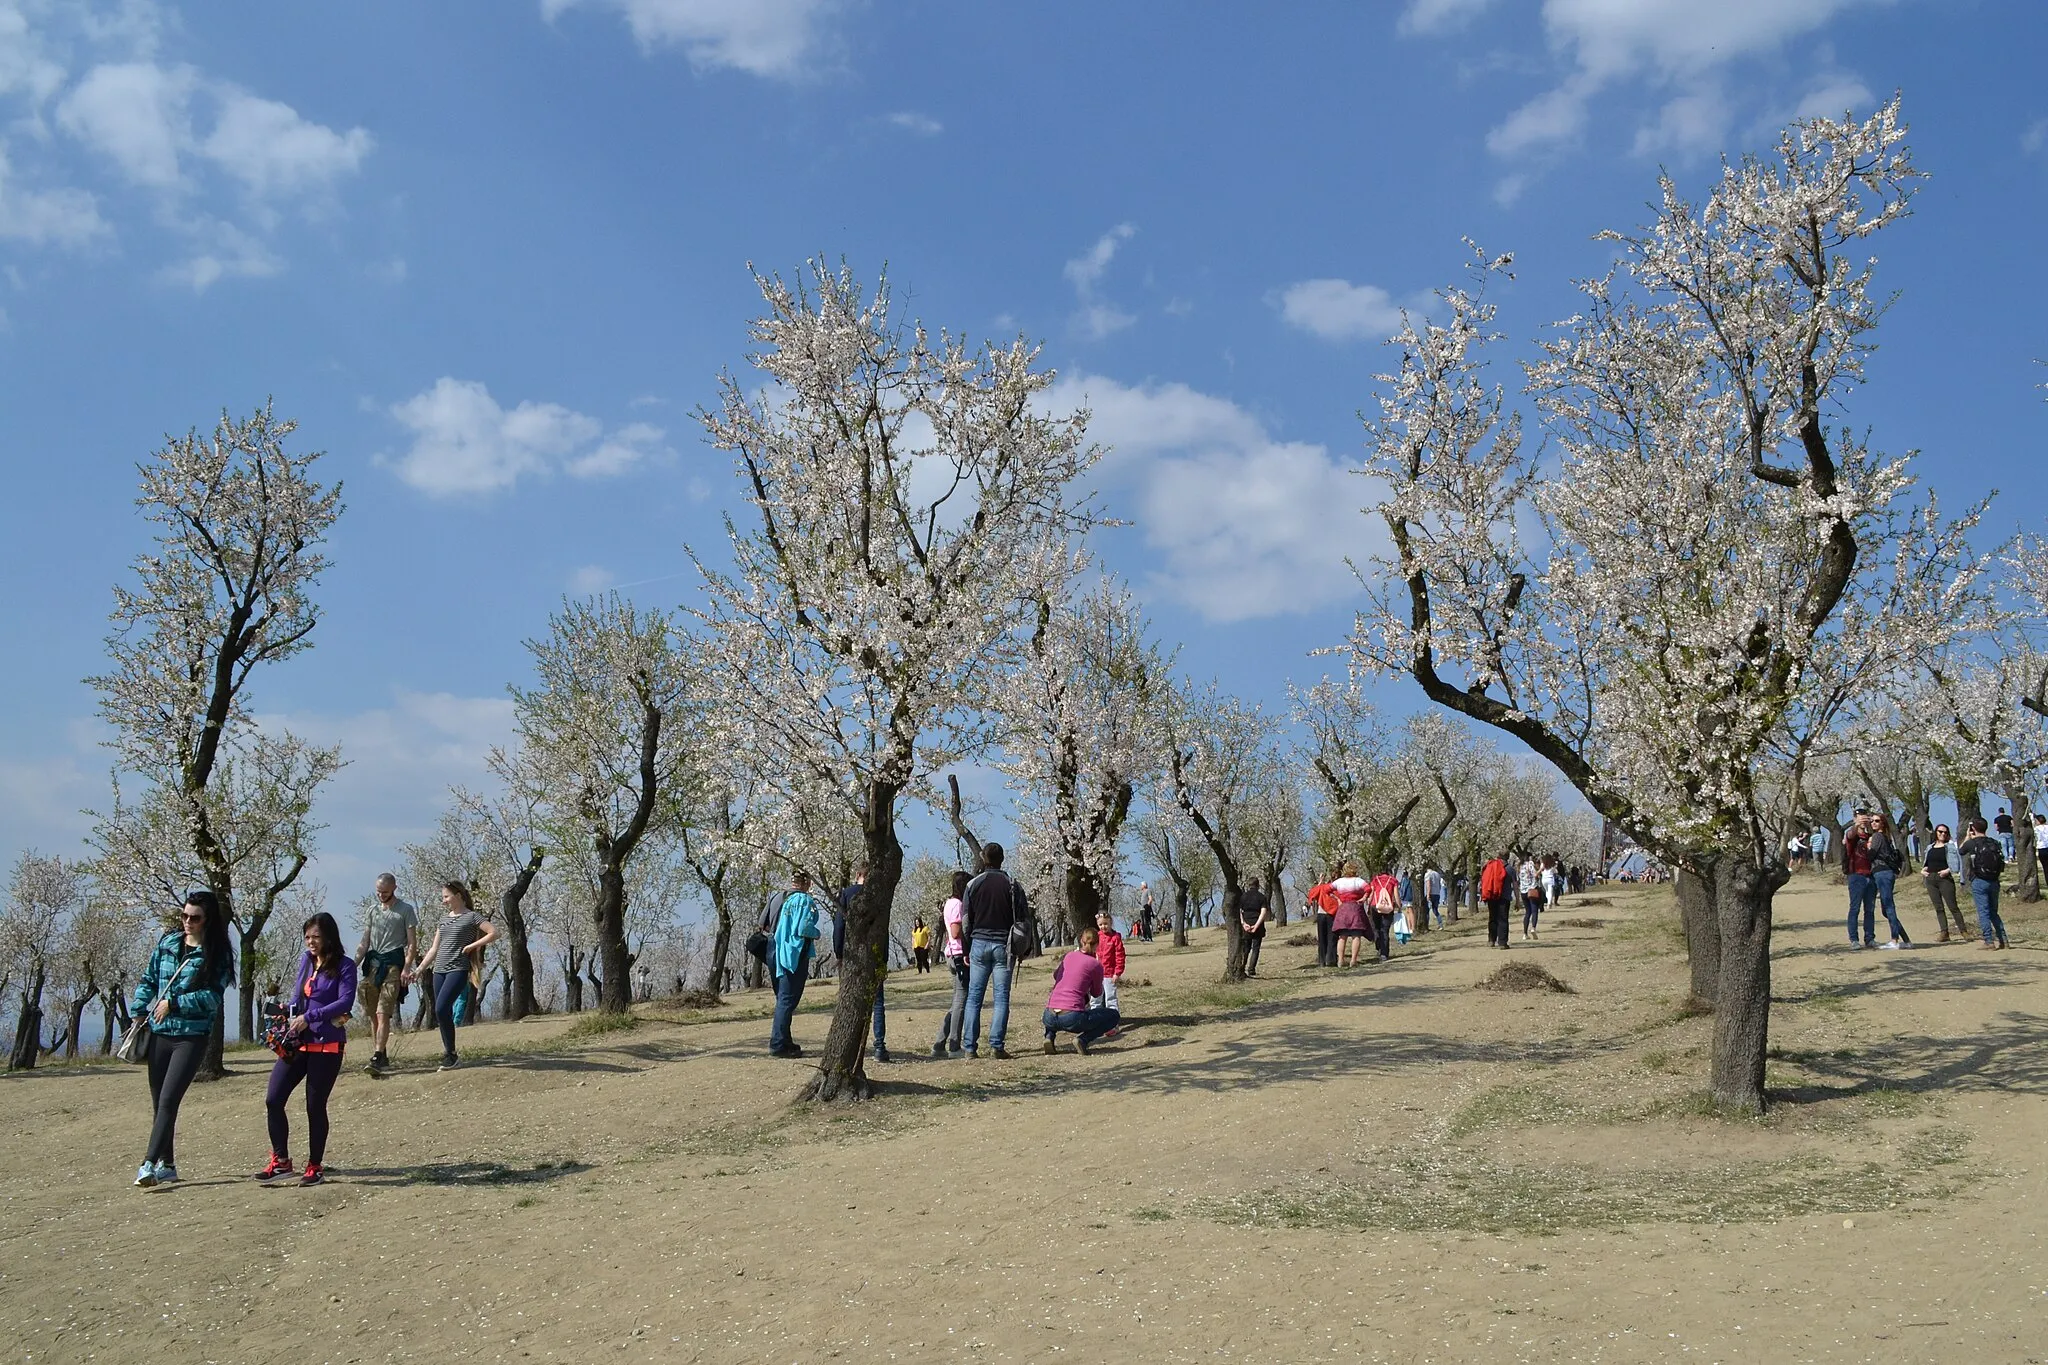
{"x": 181, "y": 992}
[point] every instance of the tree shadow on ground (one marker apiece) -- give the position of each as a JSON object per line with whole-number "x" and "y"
{"x": 1953, "y": 973}
{"x": 1312, "y": 1053}
{"x": 467, "y": 1173}
{"x": 544, "y": 1061}
{"x": 2010, "y": 1055}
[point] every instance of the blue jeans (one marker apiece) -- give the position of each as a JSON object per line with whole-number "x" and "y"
{"x": 789, "y": 993}
{"x": 880, "y": 1024}
{"x": 1985, "y": 893}
{"x": 1863, "y": 897}
{"x": 1886, "y": 879}
{"x": 986, "y": 959}
{"x": 1089, "y": 1024}
{"x": 448, "y": 987}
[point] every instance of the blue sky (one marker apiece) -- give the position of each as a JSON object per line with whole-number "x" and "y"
{"x": 492, "y": 256}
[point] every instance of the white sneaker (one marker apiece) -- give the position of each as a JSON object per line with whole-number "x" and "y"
{"x": 1884, "y": 947}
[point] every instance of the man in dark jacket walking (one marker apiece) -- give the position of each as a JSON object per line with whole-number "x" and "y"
{"x": 993, "y": 906}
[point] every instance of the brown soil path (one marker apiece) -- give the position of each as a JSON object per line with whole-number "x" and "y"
{"x": 1380, "y": 1165}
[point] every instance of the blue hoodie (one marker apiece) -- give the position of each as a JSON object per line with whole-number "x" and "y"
{"x": 796, "y": 929}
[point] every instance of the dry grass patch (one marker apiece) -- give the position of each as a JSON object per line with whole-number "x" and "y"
{"x": 1524, "y": 976}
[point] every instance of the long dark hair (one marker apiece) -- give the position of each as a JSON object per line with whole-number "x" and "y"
{"x": 960, "y": 880}
{"x": 216, "y": 954}
{"x": 329, "y": 956}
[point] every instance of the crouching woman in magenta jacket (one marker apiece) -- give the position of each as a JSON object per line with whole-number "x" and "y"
{"x": 320, "y": 1005}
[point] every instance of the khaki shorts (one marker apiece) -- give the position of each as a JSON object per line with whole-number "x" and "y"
{"x": 380, "y": 998}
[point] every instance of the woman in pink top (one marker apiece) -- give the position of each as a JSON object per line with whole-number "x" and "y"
{"x": 1348, "y": 924}
{"x": 953, "y": 952}
{"x": 1075, "y": 981}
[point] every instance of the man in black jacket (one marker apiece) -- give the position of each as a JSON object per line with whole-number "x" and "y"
{"x": 993, "y": 906}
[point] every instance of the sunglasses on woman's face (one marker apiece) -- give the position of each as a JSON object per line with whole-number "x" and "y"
{"x": 195, "y": 918}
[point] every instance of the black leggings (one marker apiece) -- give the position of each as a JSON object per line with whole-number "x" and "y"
{"x": 320, "y": 1070}
{"x": 173, "y": 1062}
{"x": 448, "y": 988}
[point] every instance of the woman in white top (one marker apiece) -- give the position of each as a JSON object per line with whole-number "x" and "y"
{"x": 1530, "y": 878}
{"x": 953, "y": 952}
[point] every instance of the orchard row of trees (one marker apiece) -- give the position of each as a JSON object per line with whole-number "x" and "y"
{"x": 1697, "y": 598}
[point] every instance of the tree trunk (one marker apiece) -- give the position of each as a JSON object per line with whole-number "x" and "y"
{"x": 1700, "y": 919}
{"x": 615, "y": 991}
{"x": 841, "y": 1062}
{"x": 77, "y": 1021}
{"x": 1276, "y": 898}
{"x": 1234, "y": 941}
{"x": 721, "y": 942}
{"x": 2026, "y": 853}
{"x": 1180, "y": 912}
{"x": 520, "y": 1000}
{"x": 28, "y": 1023}
{"x": 107, "y": 1019}
{"x": 1742, "y": 894}
{"x": 572, "y": 965}
{"x": 1086, "y": 898}
{"x": 1969, "y": 805}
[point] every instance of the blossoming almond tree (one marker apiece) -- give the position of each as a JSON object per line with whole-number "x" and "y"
{"x": 605, "y": 733}
{"x": 227, "y": 590}
{"x": 1077, "y": 740}
{"x": 909, "y": 505}
{"x": 1220, "y": 761}
{"x": 1701, "y": 531}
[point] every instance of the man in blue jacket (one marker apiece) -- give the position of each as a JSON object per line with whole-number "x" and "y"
{"x": 794, "y": 930}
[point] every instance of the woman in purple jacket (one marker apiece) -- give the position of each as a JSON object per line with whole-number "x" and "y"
{"x": 321, "y": 1001}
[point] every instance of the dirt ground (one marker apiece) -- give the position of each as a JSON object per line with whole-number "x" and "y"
{"x": 1384, "y": 1164}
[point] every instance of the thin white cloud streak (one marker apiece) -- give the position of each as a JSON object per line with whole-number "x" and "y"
{"x": 1096, "y": 317}
{"x": 776, "y": 39}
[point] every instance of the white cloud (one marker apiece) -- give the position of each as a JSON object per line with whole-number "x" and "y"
{"x": 1439, "y": 16}
{"x": 1834, "y": 97}
{"x": 1677, "y": 46}
{"x": 590, "y": 580}
{"x": 61, "y": 217}
{"x": 1338, "y": 310}
{"x": 134, "y": 114}
{"x": 273, "y": 151}
{"x": 2036, "y": 136}
{"x": 402, "y": 759}
{"x": 783, "y": 39}
{"x": 217, "y": 163}
{"x": 1245, "y": 525}
{"x": 464, "y": 442}
{"x": 618, "y": 452}
{"x": 1097, "y": 318}
{"x": 910, "y": 121}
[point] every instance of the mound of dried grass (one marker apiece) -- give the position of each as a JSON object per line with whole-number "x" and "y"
{"x": 1524, "y": 976}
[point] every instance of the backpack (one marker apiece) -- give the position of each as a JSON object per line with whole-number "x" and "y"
{"x": 1493, "y": 882}
{"x": 1987, "y": 860}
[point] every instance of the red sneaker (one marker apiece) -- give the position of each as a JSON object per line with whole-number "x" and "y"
{"x": 279, "y": 1170}
{"x": 314, "y": 1175}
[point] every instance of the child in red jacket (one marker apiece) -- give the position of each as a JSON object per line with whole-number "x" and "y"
{"x": 1109, "y": 951}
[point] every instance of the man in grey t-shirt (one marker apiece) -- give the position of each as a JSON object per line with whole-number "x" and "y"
{"x": 389, "y": 947}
